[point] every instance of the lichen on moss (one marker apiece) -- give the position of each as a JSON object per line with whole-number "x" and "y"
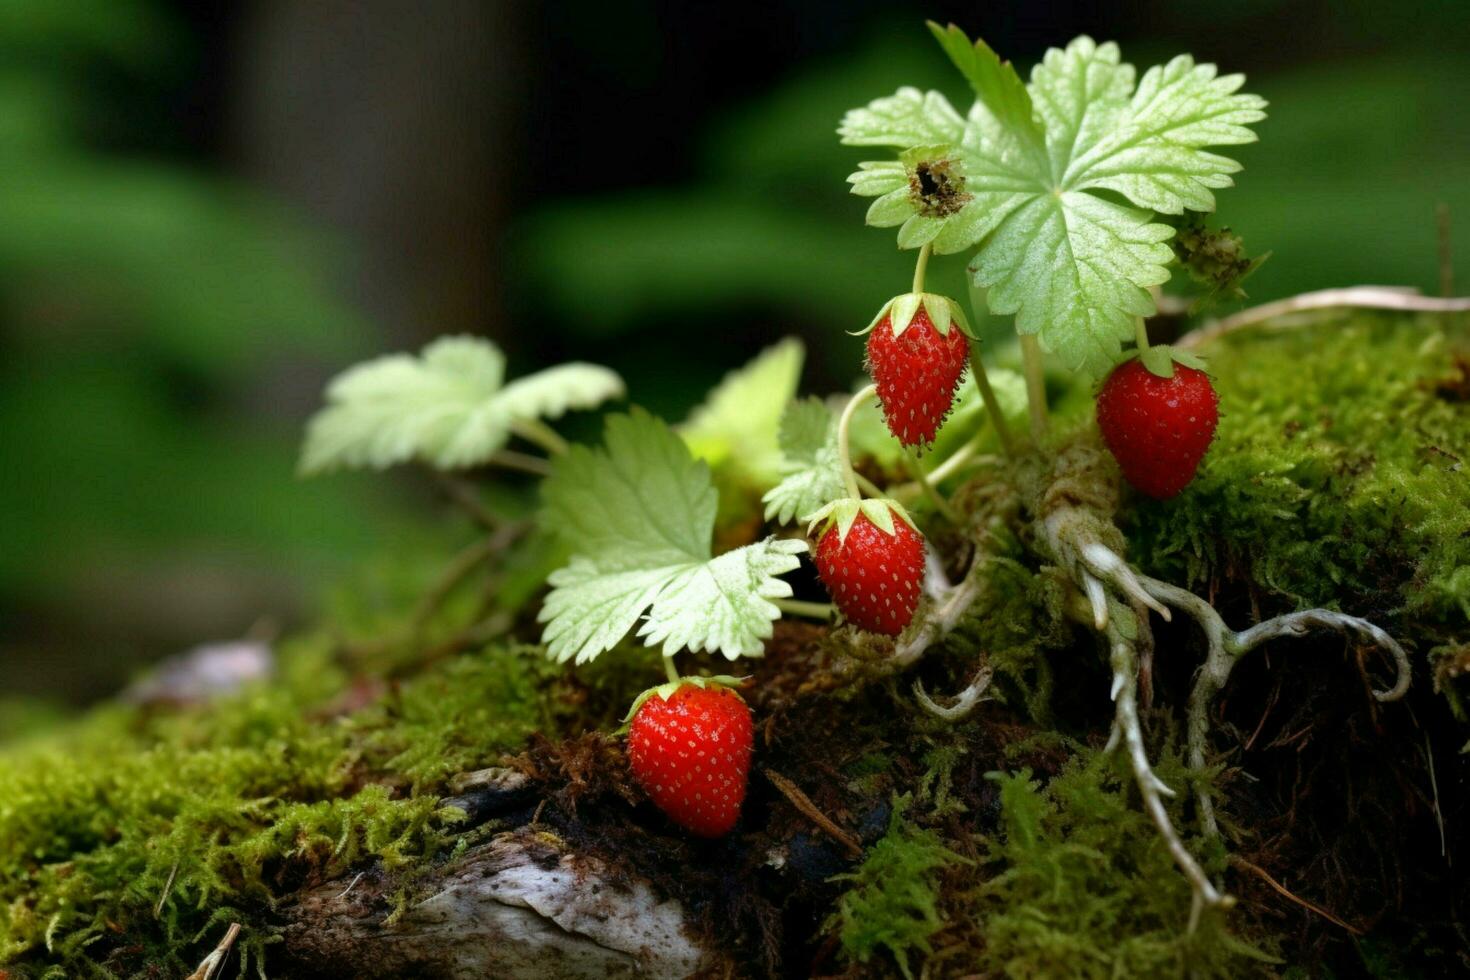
{"x": 126, "y": 838}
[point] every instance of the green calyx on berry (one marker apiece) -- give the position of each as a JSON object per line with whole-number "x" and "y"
{"x": 666, "y": 691}
{"x": 1160, "y": 359}
{"x": 843, "y": 513}
{"x": 943, "y": 312}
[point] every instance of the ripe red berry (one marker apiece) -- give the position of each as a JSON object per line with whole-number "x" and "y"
{"x": 917, "y": 374}
{"x": 873, "y": 576}
{"x": 691, "y": 754}
{"x": 1157, "y": 428}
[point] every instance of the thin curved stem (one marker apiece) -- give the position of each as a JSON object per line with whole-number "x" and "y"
{"x": 543, "y": 435}
{"x": 524, "y": 462}
{"x": 921, "y": 266}
{"x": 987, "y": 395}
{"x": 844, "y": 447}
{"x": 811, "y": 610}
{"x": 1035, "y": 385}
{"x": 1140, "y": 334}
{"x": 1354, "y": 297}
{"x": 868, "y": 486}
{"x": 932, "y": 492}
{"x": 670, "y": 671}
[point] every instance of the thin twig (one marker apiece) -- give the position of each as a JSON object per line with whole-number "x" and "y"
{"x": 804, "y": 803}
{"x": 167, "y": 887}
{"x": 351, "y": 885}
{"x": 1357, "y": 297}
{"x": 215, "y": 960}
{"x": 1281, "y": 890}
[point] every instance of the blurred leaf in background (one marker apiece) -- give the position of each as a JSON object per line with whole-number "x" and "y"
{"x": 149, "y": 313}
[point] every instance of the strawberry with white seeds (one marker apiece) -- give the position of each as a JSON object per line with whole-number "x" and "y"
{"x": 1158, "y": 419}
{"x": 689, "y": 745}
{"x": 917, "y": 358}
{"x": 871, "y": 559}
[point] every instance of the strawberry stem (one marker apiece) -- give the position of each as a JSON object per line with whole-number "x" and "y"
{"x": 543, "y": 435}
{"x": 669, "y": 670}
{"x": 811, "y": 610}
{"x": 987, "y": 395}
{"x": 930, "y": 491}
{"x": 920, "y": 266}
{"x": 1140, "y": 334}
{"x": 1035, "y": 385}
{"x": 844, "y": 449}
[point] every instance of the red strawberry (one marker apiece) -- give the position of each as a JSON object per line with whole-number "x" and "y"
{"x": 917, "y": 374}
{"x": 1157, "y": 428}
{"x": 690, "y": 751}
{"x": 873, "y": 575}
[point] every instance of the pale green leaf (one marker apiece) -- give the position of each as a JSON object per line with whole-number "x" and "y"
{"x": 640, "y": 501}
{"x": 1075, "y": 269}
{"x": 806, "y": 426}
{"x": 1072, "y": 264}
{"x": 1150, "y": 149}
{"x": 997, "y": 87}
{"x": 447, "y": 407}
{"x": 736, "y": 428}
{"x": 907, "y": 118}
{"x": 637, "y": 515}
{"x": 724, "y": 605}
{"x": 814, "y": 471}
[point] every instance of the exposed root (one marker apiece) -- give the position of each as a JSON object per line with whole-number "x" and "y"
{"x": 1075, "y": 512}
{"x": 1151, "y": 788}
{"x": 948, "y": 611}
{"x": 1226, "y": 647}
{"x": 964, "y": 702}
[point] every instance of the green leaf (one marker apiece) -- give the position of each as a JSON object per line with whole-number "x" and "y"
{"x": 806, "y": 426}
{"x": 737, "y": 426}
{"x": 813, "y": 465}
{"x": 638, "y": 515}
{"x": 449, "y": 407}
{"x": 1023, "y": 182}
{"x": 907, "y": 118}
{"x": 1075, "y": 269}
{"x": 997, "y": 86}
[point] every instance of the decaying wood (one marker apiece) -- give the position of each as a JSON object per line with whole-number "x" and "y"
{"x": 523, "y": 905}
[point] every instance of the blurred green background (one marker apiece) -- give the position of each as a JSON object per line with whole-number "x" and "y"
{"x": 206, "y": 209}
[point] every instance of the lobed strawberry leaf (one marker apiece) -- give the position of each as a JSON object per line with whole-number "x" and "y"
{"x": 812, "y": 463}
{"x": 1023, "y": 180}
{"x": 448, "y": 407}
{"x": 637, "y": 516}
{"x": 737, "y": 426}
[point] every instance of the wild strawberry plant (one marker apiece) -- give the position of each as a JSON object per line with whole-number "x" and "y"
{"x": 1065, "y": 193}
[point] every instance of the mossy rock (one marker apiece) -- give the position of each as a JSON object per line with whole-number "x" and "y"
{"x": 1005, "y": 844}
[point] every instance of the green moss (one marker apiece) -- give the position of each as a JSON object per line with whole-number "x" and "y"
{"x": 893, "y": 901}
{"x": 161, "y": 826}
{"x": 1337, "y": 476}
{"x": 1078, "y": 883}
